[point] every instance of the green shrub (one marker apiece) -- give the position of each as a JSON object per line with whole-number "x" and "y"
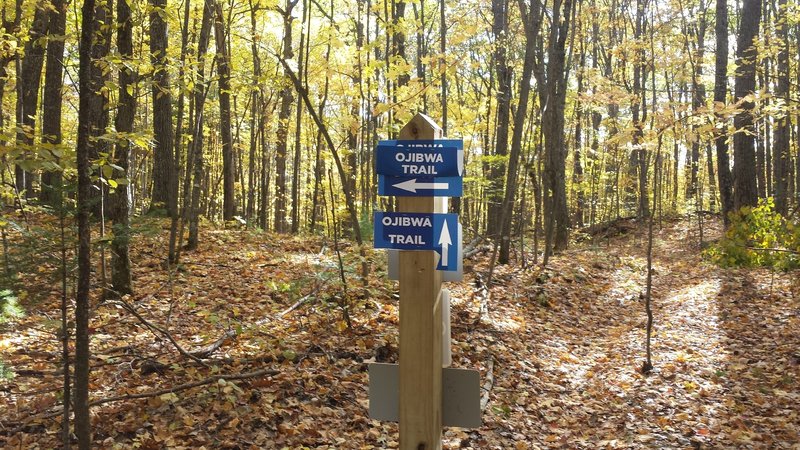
{"x": 758, "y": 237}
{"x": 9, "y": 308}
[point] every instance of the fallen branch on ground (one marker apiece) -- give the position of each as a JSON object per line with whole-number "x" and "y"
{"x": 156, "y": 393}
{"x": 482, "y": 292}
{"x": 155, "y": 328}
{"x": 185, "y": 386}
{"x": 488, "y": 384}
{"x": 214, "y": 346}
{"x": 474, "y": 251}
{"x": 305, "y": 299}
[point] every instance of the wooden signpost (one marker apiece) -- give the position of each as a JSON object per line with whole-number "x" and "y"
{"x": 421, "y": 174}
{"x": 420, "y": 324}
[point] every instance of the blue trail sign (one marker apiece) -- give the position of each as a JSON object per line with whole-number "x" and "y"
{"x": 420, "y": 186}
{"x": 424, "y": 158}
{"x": 420, "y": 231}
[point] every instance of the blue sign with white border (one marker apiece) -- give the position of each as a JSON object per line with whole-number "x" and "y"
{"x": 425, "y": 158}
{"x": 420, "y": 186}
{"x": 420, "y": 231}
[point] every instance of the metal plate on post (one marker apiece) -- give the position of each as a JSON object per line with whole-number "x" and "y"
{"x": 461, "y": 395}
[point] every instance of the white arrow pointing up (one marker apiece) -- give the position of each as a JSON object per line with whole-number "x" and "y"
{"x": 445, "y": 242}
{"x": 412, "y": 185}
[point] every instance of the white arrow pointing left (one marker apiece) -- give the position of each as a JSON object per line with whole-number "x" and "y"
{"x": 445, "y": 242}
{"x": 412, "y": 185}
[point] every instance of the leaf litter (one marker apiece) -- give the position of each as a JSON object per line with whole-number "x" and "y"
{"x": 564, "y": 344}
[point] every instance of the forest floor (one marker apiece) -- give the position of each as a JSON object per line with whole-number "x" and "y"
{"x": 563, "y": 346}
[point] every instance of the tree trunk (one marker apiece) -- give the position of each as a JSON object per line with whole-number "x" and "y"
{"x": 87, "y": 117}
{"x": 555, "y": 192}
{"x": 165, "y": 181}
{"x": 720, "y": 97}
{"x": 577, "y": 163}
{"x": 283, "y": 126}
{"x": 224, "y": 71}
{"x": 503, "y": 92}
{"x": 639, "y": 82}
{"x": 351, "y": 158}
{"x": 299, "y": 128}
{"x": 119, "y": 200}
{"x": 100, "y": 98}
{"x": 532, "y": 21}
{"x": 422, "y": 51}
{"x": 349, "y": 200}
{"x": 399, "y": 40}
{"x": 255, "y": 124}
{"x": 780, "y": 151}
{"x": 319, "y": 163}
{"x": 696, "y": 51}
{"x": 196, "y": 153}
{"x": 744, "y": 176}
{"x": 51, "y": 105}
{"x": 28, "y": 93}
{"x": 179, "y": 219}
{"x": 266, "y": 169}
{"x": 797, "y": 130}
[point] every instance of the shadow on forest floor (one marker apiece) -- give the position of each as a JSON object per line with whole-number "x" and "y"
{"x": 566, "y": 344}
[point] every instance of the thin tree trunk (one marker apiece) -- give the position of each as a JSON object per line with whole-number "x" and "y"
{"x": 797, "y": 129}
{"x": 399, "y": 40}
{"x": 283, "y": 125}
{"x": 556, "y": 213}
{"x": 422, "y": 51}
{"x": 176, "y": 224}
{"x": 577, "y": 163}
{"x": 255, "y": 124}
{"x": 299, "y": 128}
{"x": 52, "y": 190}
{"x": 87, "y": 117}
{"x": 319, "y": 164}
{"x": 349, "y": 200}
{"x": 224, "y": 71}
{"x": 200, "y": 89}
{"x": 639, "y": 82}
{"x": 503, "y": 72}
{"x": 266, "y": 169}
{"x": 532, "y": 21}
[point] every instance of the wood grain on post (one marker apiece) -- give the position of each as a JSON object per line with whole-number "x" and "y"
{"x": 420, "y": 324}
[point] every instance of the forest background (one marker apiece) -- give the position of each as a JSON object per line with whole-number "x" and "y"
{"x": 120, "y": 119}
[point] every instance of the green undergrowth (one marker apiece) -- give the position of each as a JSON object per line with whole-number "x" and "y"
{"x": 758, "y": 237}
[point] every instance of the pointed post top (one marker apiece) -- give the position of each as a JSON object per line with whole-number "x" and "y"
{"x": 421, "y": 127}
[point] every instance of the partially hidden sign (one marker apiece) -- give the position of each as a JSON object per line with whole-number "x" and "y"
{"x": 423, "y": 158}
{"x": 420, "y": 231}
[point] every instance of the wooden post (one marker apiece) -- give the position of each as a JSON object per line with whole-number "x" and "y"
{"x": 420, "y": 324}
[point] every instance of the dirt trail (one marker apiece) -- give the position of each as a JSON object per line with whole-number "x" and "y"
{"x": 725, "y": 352}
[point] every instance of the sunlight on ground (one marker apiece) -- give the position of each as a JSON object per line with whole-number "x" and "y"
{"x": 694, "y": 318}
{"x": 312, "y": 259}
{"x": 510, "y": 324}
